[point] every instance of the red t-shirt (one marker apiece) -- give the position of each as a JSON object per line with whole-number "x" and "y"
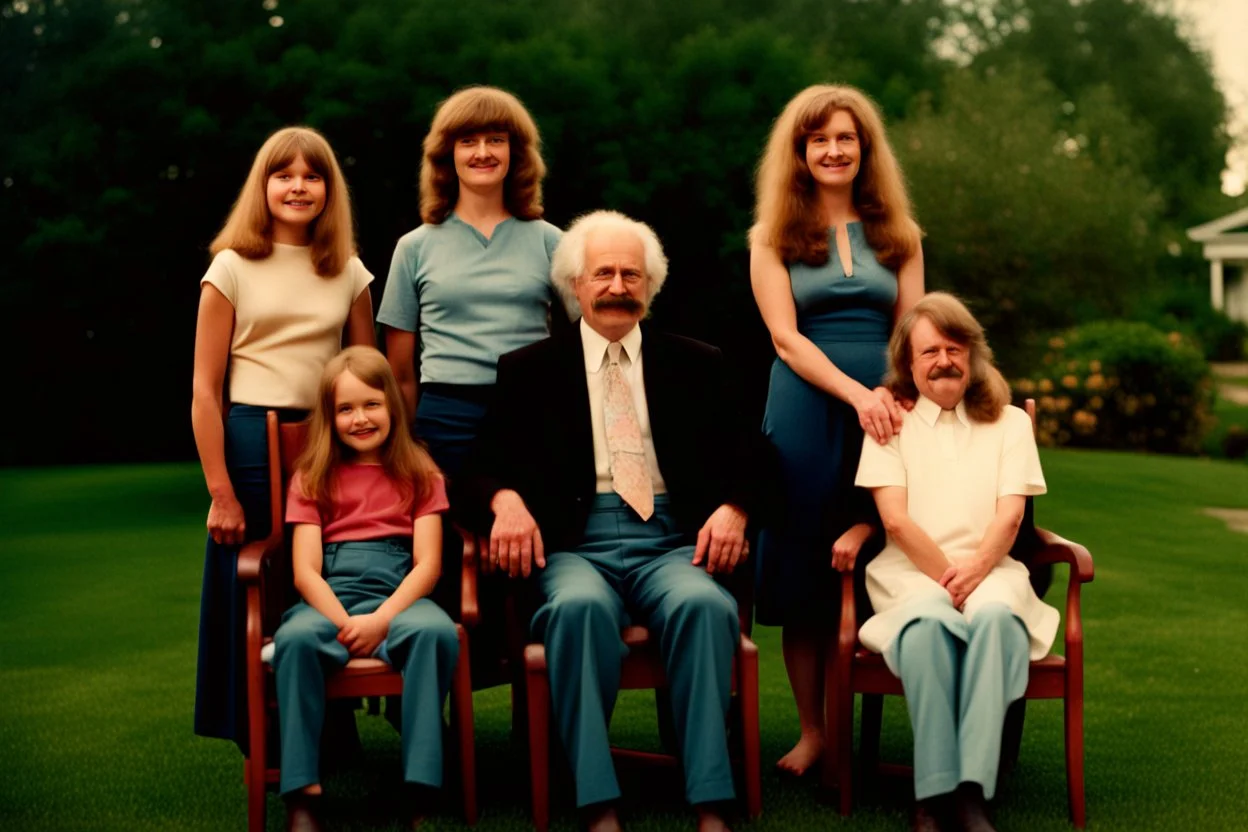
{"x": 367, "y": 505}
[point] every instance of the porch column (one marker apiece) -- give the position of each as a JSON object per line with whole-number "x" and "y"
{"x": 1215, "y": 284}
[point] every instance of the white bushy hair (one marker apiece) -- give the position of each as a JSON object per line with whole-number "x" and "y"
{"x": 568, "y": 261}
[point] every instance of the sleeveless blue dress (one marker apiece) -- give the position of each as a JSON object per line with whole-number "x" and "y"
{"x": 817, "y": 436}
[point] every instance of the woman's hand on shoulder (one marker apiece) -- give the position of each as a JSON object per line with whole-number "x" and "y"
{"x": 879, "y": 414}
{"x": 226, "y": 522}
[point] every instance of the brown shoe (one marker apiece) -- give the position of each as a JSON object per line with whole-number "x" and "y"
{"x": 303, "y": 813}
{"x": 926, "y": 817}
{"x": 971, "y": 810}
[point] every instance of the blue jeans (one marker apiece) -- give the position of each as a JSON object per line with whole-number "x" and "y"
{"x": 421, "y": 643}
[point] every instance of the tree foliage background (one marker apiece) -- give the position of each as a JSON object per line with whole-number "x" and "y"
{"x": 1056, "y": 151}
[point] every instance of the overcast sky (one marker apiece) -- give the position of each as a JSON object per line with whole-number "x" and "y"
{"x": 1221, "y": 28}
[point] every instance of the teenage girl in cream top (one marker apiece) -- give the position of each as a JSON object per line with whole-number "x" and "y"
{"x": 283, "y": 285}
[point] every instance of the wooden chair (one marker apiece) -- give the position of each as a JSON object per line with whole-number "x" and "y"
{"x": 853, "y": 669}
{"x": 643, "y": 670}
{"x": 264, "y": 569}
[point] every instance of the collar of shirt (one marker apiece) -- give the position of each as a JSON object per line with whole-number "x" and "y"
{"x": 930, "y": 412}
{"x": 595, "y": 347}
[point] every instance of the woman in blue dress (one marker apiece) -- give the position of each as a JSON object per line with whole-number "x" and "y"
{"x": 835, "y": 259}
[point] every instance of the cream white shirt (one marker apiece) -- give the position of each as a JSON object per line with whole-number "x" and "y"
{"x": 595, "y": 347}
{"x": 953, "y": 471}
{"x": 288, "y": 322}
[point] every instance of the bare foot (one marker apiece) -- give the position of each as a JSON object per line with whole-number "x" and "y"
{"x": 710, "y": 821}
{"x": 603, "y": 820}
{"x": 804, "y": 755}
{"x": 313, "y": 789}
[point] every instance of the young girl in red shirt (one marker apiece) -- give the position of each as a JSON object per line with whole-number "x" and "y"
{"x": 365, "y": 503}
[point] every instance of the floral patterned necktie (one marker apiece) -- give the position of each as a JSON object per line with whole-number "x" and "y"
{"x": 630, "y": 474}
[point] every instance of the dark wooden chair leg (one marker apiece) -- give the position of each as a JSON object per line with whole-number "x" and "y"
{"x": 1011, "y": 738}
{"x": 462, "y": 717}
{"x": 872, "y": 718}
{"x": 747, "y": 694}
{"x": 538, "y": 695}
{"x": 838, "y": 720}
{"x": 1074, "y": 760}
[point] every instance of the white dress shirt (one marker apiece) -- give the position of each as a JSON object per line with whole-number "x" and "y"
{"x": 953, "y": 471}
{"x": 595, "y": 347}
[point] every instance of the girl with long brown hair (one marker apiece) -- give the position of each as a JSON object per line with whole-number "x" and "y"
{"x": 469, "y": 284}
{"x": 365, "y": 502}
{"x": 835, "y": 258}
{"x": 283, "y": 286}
{"x": 473, "y": 281}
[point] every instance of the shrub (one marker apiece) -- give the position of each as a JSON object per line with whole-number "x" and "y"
{"x": 1117, "y": 384}
{"x": 1186, "y": 309}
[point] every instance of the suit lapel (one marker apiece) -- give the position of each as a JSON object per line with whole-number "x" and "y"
{"x": 576, "y": 425}
{"x": 660, "y": 379}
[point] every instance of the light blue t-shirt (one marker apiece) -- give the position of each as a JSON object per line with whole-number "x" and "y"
{"x": 470, "y": 299}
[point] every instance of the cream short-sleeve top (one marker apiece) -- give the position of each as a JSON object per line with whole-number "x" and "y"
{"x": 288, "y": 322}
{"x": 953, "y": 470}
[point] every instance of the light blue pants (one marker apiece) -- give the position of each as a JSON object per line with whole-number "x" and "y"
{"x": 957, "y": 693}
{"x": 629, "y": 570}
{"x": 422, "y": 644}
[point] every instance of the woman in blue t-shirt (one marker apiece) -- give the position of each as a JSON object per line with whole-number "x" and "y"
{"x": 472, "y": 282}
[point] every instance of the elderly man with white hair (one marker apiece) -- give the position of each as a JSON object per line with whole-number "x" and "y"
{"x": 616, "y": 469}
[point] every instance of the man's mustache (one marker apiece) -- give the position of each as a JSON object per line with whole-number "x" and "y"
{"x": 944, "y": 372}
{"x": 624, "y": 302}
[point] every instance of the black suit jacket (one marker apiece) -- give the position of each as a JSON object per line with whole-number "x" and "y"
{"x": 537, "y": 437}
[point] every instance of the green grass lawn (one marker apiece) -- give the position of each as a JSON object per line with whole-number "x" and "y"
{"x": 100, "y": 573}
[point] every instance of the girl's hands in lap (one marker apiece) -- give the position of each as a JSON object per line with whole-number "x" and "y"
{"x": 363, "y": 634}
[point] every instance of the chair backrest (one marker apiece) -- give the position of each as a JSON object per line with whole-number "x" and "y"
{"x": 286, "y": 442}
{"x": 293, "y": 439}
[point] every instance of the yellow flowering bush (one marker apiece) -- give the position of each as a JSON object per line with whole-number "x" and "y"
{"x": 1118, "y": 384}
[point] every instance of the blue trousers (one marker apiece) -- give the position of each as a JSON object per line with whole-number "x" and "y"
{"x": 448, "y": 419}
{"x": 221, "y": 679}
{"x": 957, "y": 693}
{"x": 628, "y": 569}
{"x": 421, "y": 643}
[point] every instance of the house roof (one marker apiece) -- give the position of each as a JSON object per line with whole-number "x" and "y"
{"x": 1222, "y": 227}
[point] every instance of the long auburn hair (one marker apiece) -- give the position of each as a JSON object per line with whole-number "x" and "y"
{"x": 786, "y": 209}
{"x": 988, "y": 392}
{"x": 478, "y": 110}
{"x": 405, "y": 462}
{"x": 249, "y": 228}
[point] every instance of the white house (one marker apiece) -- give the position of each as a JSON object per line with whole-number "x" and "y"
{"x": 1226, "y": 245}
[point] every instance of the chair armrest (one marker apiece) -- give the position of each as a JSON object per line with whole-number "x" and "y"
{"x": 1058, "y": 549}
{"x": 847, "y": 631}
{"x": 469, "y": 610}
{"x": 253, "y": 555}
